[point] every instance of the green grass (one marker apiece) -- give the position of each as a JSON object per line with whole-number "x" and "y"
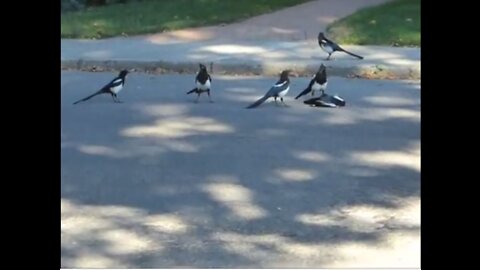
{"x": 149, "y": 16}
{"x": 393, "y": 23}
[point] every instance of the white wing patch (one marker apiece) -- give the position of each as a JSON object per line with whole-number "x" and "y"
{"x": 329, "y": 104}
{"x": 117, "y": 81}
{"x": 339, "y": 98}
{"x": 280, "y": 84}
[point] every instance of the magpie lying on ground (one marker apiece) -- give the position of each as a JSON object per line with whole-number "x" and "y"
{"x": 318, "y": 83}
{"x": 279, "y": 89}
{"x": 326, "y": 100}
{"x": 203, "y": 82}
{"x": 330, "y": 47}
{"x": 111, "y": 88}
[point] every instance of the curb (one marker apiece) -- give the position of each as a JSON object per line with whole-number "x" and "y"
{"x": 410, "y": 72}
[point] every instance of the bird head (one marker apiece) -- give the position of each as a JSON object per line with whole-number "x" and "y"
{"x": 287, "y": 72}
{"x": 321, "y": 35}
{"x": 123, "y": 73}
{"x": 284, "y": 74}
{"x": 202, "y": 67}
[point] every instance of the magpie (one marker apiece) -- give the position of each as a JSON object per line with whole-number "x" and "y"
{"x": 203, "y": 83}
{"x": 326, "y": 100}
{"x": 112, "y": 88}
{"x": 318, "y": 83}
{"x": 330, "y": 47}
{"x": 278, "y": 90}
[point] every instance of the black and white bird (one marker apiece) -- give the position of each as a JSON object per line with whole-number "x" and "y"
{"x": 330, "y": 47}
{"x": 278, "y": 90}
{"x": 112, "y": 88}
{"x": 325, "y": 100}
{"x": 318, "y": 83}
{"x": 203, "y": 83}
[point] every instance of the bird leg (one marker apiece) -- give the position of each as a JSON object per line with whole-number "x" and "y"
{"x": 117, "y": 99}
{"x": 208, "y": 92}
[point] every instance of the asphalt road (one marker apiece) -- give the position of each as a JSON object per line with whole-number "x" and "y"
{"x": 159, "y": 181}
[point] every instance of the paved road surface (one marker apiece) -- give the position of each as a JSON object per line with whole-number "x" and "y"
{"x": 159, "y": 181}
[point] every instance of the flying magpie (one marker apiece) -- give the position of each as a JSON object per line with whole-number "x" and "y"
{"x": 318, "y": 83}
{"x": 326, "y": 100}
{"x": 279, "y": 89}
{"x": 203, "y": 82}
{"x": 112, "y": 88}
{"x": 330, "y": 47}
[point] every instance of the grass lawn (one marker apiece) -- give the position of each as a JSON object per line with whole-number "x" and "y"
{"x": 150, "y": 16}
{"x": 396, "y": 22}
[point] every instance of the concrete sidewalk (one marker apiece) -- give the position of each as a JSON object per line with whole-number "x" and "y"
{"x": 296, "y": 23}
{"x": 240, "y": 57}
{"x": 261, "y": 45}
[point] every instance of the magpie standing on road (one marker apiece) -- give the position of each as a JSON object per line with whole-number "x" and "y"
{"x": 318, "y": 83}
{"x": 203, "y": 82}
{"x": 330, "y": 47}
{"x": 111, "y": 88}
{"x": 278, "y": 90}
